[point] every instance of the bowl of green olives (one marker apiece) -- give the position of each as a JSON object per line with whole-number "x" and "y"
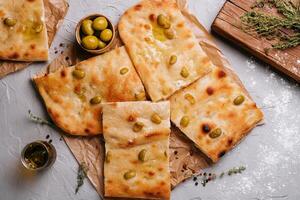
{"x": 95, "y": 34}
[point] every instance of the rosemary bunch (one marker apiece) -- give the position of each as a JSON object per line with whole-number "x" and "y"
{"x": 271, "y": 27}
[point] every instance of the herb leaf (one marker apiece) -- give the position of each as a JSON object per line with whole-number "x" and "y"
{"x": 236, "y": 170}
{"x": 40, "y": 120}
{"x": 81, "y": 175}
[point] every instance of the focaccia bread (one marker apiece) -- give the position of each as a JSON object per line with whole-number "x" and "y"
{"x": 23, "y": 31}
{"x": 215, "y": 113}
{"x": 73, "y": 95}
{"x": 163, "y": 49}
{"x": 137, "y": 150}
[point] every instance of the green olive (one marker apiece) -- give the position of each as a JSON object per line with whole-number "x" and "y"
{"x": 155, "y": 118}
{"x": 142, "y": 155}
{"x": 166, "y": 90}
{"x": 96, "y": 100}
{"x": 90, "y": 42}
{"x": 138, "y": 126}
{"x": 140, "y": 96}
{"x": 129, "y": 174}
{"x": 39, "y": 28}
{"x": 184, "y": 72}
{"x": 86, "y": 27}
{"x": 101, "y": 44}
{"x": 124, "y": 70}
{"x": 184, "y": 122}
{"x": 169, "y": 33}
{"x": 108, "y": 157}
{"x": 173, "y": 60}
{"x": 106, "y": 35}
{"x": 215, "y": 133}
{"x": 10, "y": 21}
{"x": 82, "y": 97}
{"x": 100, "y": 23}
{"x": 80, "y": 93}
{"x": 190, "y": 98}
{"x": 78, "y": 73}
{"x": 163, "y": 21}
{"x": 239, "y": 100}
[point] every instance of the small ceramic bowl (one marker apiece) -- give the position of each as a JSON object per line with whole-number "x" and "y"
{"x": 79, "y": 35}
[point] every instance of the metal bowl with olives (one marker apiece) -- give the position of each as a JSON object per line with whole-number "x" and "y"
{"x": 95, "y": 34}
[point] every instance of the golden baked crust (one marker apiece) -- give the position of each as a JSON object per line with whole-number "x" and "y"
{"x": 68, "y": 99}
{"x": 24, "y": 41}
{"x": 151, "y": 51}
{"x": 210, "y": 106}
{"x": 123, "y": 147}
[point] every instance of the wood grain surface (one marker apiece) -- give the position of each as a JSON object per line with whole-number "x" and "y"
{"x": 228, "y": 25}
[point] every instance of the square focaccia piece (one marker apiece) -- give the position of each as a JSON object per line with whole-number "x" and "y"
{"x": 215, "y": 113}
{"x": 137, "y": 150}
{"x": 73, "y": 95}
{"x": 163, "y": 48}
{"x": 23, "y": 31}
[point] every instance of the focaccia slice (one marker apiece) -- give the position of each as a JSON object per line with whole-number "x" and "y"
{"x": 73, "y": 95}
{"x": 215, "y": 113}
{"x": 23, "y": 31}
{"x": 137, "y": 150}
{"x": 164, "y": 65}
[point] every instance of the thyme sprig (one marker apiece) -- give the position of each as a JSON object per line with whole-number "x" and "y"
{"x": 40, "y": 120}
{"x": 271, "y": 26}
{"x": 81, "y": 175}
{"x": 288, "y": 42}
{"x": 236, "y": 170}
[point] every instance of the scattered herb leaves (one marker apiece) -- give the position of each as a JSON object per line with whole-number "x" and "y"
{"x": 40, "y": 120}
{"x": 81, "y": 175}
{"x": 271, "y": 27}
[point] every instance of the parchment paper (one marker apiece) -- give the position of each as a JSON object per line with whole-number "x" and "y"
{"x": 185, "y": 159}
{"x": 55, "y": 11}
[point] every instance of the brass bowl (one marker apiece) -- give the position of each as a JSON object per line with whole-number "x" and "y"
{"x": 95, "y": 51}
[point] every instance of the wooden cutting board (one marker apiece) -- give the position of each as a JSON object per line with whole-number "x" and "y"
{"x": 228, "y": 25}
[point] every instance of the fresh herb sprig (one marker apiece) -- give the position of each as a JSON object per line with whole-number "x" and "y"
{"x": 81, "y": 175}
{"x": 207, "y": 177}
{"x": 236, "y": 170}
{"x": 271, "y": 27}
{"x": 40, "y": 120}
{"x": 288, "y": 42}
